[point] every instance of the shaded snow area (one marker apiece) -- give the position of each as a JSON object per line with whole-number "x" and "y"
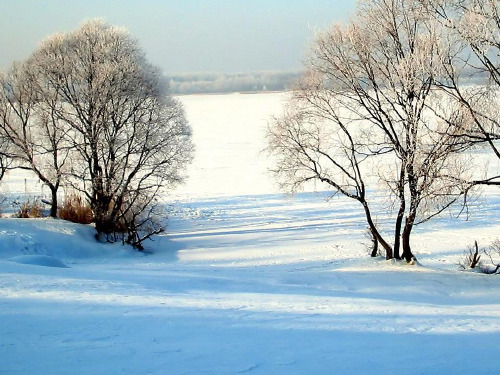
{"x": 250, "y": 283}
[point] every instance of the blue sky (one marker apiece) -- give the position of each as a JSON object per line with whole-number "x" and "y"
{"x": 183, "y": 36}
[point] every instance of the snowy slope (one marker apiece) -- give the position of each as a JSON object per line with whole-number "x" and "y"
{"x": 247, "y": 281}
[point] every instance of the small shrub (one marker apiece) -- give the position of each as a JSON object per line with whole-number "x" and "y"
{"x": 133, "y": 223}
{"x": 493, "y": 252}
{"x": 472, "y": 259}
{"x": 30, "y": 210}
{"x": 76, "y": 210}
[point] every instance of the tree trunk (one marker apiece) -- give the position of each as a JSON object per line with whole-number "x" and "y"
{"x": 407, "y": 253}
{"x": 53, "y": 207}
{"x": 100, "y": 207}
{"x": 397, "y": 232}
{"x": 401, "y": 213}
{"x": 374, "y": 252}
{"x": 376, "y": 234}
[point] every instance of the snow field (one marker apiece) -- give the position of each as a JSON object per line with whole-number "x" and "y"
{"x": 247, "y": 281}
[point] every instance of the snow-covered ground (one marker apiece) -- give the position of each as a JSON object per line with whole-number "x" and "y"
{"x": 247, "y": 281}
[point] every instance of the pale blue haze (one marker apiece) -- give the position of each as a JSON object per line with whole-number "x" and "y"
{"x": 184, "y": 36}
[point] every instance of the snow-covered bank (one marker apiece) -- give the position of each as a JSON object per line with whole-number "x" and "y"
{"x": 261, "y": 284}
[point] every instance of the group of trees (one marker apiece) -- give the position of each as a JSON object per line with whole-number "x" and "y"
{"x": 87, "y": 111}
{"x": 391, "y": 103}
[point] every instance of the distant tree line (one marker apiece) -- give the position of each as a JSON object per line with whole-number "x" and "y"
{"x": 212, "y": 83}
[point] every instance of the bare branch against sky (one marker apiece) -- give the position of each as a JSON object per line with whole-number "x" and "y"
{"x": 183, "y": 36}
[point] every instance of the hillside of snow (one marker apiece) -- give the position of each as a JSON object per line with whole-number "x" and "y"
{"x": 246, "y": 280}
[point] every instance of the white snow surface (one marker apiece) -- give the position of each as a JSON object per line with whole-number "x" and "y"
{"x": 246, "y": 281}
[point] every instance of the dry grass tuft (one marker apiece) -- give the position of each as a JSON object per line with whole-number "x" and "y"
{"x": 76, "y": 210}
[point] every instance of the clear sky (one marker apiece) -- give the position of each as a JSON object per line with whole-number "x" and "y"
{"x": 183, "y": 36}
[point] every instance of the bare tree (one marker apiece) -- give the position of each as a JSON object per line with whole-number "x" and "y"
{"x": 364, "y": 105}
{"x": 311, "y": 143}
{"x": 131, "y": 139}
{"x": 30, "y": 129}
{"x": 471, "y": 77}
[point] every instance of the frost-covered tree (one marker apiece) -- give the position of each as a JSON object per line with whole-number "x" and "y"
{"x": 129, "y": 138}
{"x": 30, "y": 130}
{"x": 471, "y": 77}
{"x": 365, "y": 116}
